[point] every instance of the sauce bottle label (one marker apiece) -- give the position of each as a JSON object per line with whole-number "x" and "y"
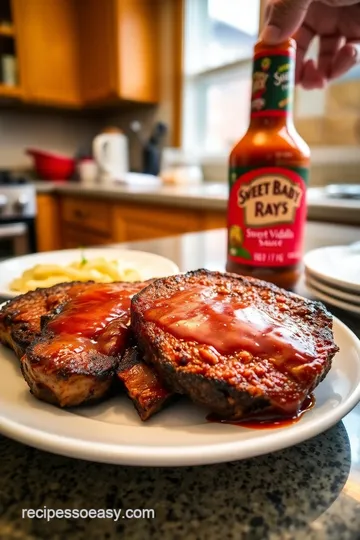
{"x": 272, "y": 83}
{"x": 266, "y": 216}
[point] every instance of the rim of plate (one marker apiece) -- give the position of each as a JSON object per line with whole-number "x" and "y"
{"x": 137, "y": 455}
{"x": 350, "y": 286}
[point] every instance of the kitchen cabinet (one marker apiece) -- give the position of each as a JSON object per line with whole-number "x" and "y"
{"x": 119, "y": 50}
{"x": 10, "y": 87}
{"x": 97, "y": 50}
{"x": 87, "y": 214}
{"x": 142, "y": 222}
{"x": 87, "y": 222}
{"x": 77, "y": 238}
{"x": 74, "y": 53}
{"x": 47, "y": 44}
{"x": 47, "y": 223}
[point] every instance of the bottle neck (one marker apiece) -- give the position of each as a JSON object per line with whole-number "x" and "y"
{"x": 273, "y": 123}
{"x": 273, "y": 87}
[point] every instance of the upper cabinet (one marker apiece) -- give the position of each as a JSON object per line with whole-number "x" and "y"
{"x": 137, "y": 46}
{"x": 119, "y": 50}
{"x": 47, "y": 46}
{"x": 97, "y": 50}
{"x": 85, "y": 52}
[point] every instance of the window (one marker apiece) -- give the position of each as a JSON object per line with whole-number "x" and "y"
{"x": 219, "y": 40}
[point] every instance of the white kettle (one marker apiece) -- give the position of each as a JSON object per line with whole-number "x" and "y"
{"x": 111, "y": 154}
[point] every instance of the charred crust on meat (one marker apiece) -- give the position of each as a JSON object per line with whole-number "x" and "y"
{"x": 143, "y": 385}
{"x": 20, "y": 317}
{"x": 186, "y": 366}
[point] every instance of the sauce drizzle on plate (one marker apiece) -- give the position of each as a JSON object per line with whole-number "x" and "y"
{"x": 269, "y": 421}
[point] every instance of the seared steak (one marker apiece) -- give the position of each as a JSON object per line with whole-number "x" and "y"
{"x": 236, "y": 345}
{"x": 20, "y": 318}
{"x": 76, "y": 356}
{"x": 142, "y": 383}
{"x": 25, "y": 318}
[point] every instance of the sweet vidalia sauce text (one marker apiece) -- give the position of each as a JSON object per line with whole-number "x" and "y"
{"x": 268, "y": 175}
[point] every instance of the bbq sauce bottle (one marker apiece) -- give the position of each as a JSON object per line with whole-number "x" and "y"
{"x": 268, "y": 175}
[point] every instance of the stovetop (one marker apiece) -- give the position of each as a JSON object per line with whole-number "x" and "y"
{"x": 17, "y": 197}
{"x": 7, "y": 178}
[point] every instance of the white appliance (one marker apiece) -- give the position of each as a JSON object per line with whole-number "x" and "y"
{"x": 111, "y": 153}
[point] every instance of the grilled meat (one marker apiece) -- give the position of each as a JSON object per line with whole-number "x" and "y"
{"x": 76, "y": 356}
{"x": 142, "y": 383}
{"x": 20, "y": 318}
{"x": 236, "y": 345}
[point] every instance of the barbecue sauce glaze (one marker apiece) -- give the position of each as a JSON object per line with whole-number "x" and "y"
{"x": 96, "y": 319}
{"x": 226, "y": 324}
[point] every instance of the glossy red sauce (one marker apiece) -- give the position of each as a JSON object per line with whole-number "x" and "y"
{"x": 269, "y": 421}
{"x": 97, "y": 318}
{"x": 226, "y": 323}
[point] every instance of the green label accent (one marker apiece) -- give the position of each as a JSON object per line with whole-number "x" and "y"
{"x": 236, "y": 172}
{"x": 273, "y": 84}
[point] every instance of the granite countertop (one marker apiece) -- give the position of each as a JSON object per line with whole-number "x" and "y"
{"x": 206, "y": 196}
{"x": 308, "y": 492}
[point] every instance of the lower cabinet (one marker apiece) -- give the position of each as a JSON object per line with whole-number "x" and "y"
{"x": 143, "y": 222}
{"x": 68, "y": 222}
{"x": 73, "y": 238}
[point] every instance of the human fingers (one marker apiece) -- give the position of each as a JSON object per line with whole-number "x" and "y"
{"x": 328, "y": 49}
{"x": 303, "y": 37}
{"x": 310, "y": 76}
{"x": 284, "y": 19}
{"x": 346, "y": 58}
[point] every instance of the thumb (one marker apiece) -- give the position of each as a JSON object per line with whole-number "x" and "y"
{"x": 284, "y": 18}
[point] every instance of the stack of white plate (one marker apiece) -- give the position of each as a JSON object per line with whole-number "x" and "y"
{"x": 332, "y": 275}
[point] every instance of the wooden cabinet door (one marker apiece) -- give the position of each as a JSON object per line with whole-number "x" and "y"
{"x": 142, "y": 222}
{"x": 48, "y": 50}
{"x": 88, "y": 214}
{"x": 47, "y": 222}
{"x": 97, "y": 46}
{"x": 77, "y": 238}
{"x": 138, "y": 22}
{"x": 119, "y": 50}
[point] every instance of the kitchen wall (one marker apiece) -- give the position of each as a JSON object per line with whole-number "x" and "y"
{"x": 58, "y": 131}
{"x": 67, "y": 133}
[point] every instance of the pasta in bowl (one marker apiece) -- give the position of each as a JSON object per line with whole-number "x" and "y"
{"x": 99, "y": 270}
{"x": 102, "y": 265}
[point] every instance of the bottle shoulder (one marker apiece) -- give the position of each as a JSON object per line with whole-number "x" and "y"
{"x": 261, "y": 142}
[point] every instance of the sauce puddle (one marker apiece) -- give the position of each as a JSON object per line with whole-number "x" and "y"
{"x": 263, "y": 422}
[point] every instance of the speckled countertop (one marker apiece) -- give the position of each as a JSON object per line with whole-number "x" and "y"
{"x": 208, "y": 196}
{"x": 307, "y": 492}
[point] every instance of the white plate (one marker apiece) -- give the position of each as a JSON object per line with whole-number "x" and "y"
{"x": 342, "y": 304}
{"x": 333, "y": 291}
{"x": 147, "y": 264}
{"x": 338, "y": 265}
{"x": 180, "y": 435}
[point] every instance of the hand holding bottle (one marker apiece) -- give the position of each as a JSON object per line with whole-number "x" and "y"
{"x": 336, "y": 22}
